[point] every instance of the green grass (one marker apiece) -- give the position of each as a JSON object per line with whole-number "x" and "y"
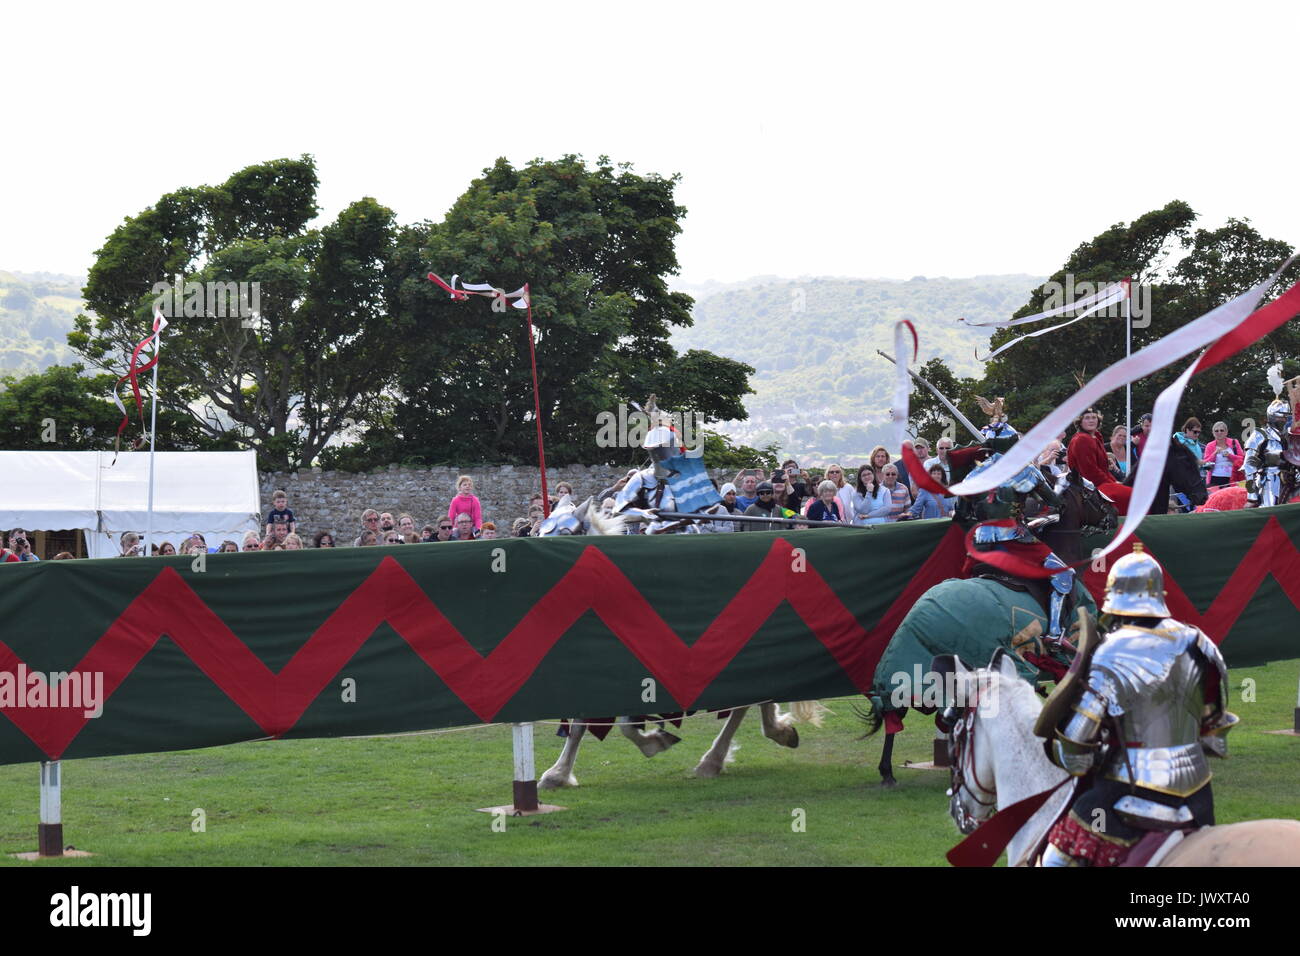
{"x": 410, "y": 800}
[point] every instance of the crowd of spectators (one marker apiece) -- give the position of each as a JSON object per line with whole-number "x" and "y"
{"x": 880, "y": 491}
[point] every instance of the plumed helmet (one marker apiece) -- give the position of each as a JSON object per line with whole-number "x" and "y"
{"x": 1278, "y": 412}
{"x": 1136, "y": 586}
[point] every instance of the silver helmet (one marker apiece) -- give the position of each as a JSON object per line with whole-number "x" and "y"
{"x": 1136, "y": 586}
{"x": 1278, "y": 412}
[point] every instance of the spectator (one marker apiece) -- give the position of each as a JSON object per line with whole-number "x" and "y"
{"x": 920, "y": 448}
{"x": 748, "y": 493}
{"x": 21, "y": 546}
{"x": 489, "y": 531}
{"x": 1119, "y": 452}
{"x": 369, "y": 539}
{"x": 879, "y": 459}
{"x": 130, "y": 545}
{"x": 227, "y": 547}
{"x": 764, "y": 507}
{"x": 280, "y": 531}
{"x": 520, "y": 528}
{"x": 280, "y": 512}
{"x": 900, "y": 495}
{"x": 386, "y": 523}
{"x": 291, "y": 542}
{"x": 1191, "y": 436}
{"x": 252, "y": 542}
{"x": 562, "y": 489}
{"x": 1140, "y": 436}
{"x": 942, "y": 447}
{"x": 168, "y": 550}
{"x": 729, "y": 498}
{"x": 369, "y": 522}
{"x": 464, "y": 528}
{"x": 5, "y": 553}
{"x": 1226, "y": 458}
{"x": 796, "y": 487}
{"x": 781, "y": 493}
{"x": 406, "y": 525}
{"x": 870, "y": 503}
{"x": 930, "y": 505}
{"x": 1086, "y": 455}
{"x": 466, "y": 502}
{"x": 64, "y": 556}
{"x": 200, "y": 543}
{"x": 428, "y": 533}
{"x": 1052, "y": 461}
{"x": 444, "y": 530}
{"x": 391, "y": 537}
{"x": 322, "y": 539}
{"x": 843, "y": 490}
{"x": 827, "y": 506}
{"x": 269, "y": 543}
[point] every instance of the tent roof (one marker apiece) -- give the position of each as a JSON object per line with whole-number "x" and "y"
{"x": 54, "y": 490}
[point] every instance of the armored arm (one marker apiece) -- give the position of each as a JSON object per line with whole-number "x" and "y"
{"x": 1078, "y": 738}
{"x": 1253, "y": 466}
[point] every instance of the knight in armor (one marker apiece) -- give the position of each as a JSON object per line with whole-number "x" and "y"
{"x": 1136, "y": 715}
{"x": 1273, "y": 451}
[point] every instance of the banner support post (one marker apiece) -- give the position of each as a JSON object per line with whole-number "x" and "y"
{"x": 49, "y": 831}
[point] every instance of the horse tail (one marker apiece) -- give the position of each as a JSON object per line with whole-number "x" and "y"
{"x": 808, "y": 712}
{"x": 872, "y": 716}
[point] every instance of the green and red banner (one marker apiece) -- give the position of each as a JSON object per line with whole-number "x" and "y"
{"x": 165, "y": 654}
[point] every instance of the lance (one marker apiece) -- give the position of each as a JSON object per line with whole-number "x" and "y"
{"x": 979, "y": 436}
{"x": 748, "y": 519}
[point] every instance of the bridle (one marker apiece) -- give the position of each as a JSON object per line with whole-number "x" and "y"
{"x": 961, "y": 754}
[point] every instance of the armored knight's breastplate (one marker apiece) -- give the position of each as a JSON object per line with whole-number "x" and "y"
{"x": 1152, "y": 685}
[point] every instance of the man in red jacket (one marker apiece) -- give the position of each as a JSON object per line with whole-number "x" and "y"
{"x": 1087, "y": 457}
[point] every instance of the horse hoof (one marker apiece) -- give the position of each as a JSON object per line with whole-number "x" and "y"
{"x": 792, "y": 740}
{"x": 708, "y": 770}
{"x": 888, "y": 783}
{"x": 554, "y": 781}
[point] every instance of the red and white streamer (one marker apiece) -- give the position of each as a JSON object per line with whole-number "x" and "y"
{"x": 134, "y": 368}
{"x": 1228, "y": 329}
{"x": 460, "y": 291}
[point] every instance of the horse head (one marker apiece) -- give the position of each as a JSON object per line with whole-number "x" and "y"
{"x": 976, "y": 719}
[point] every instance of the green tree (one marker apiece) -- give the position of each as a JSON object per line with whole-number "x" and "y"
{"x": 60, "y": 409}
{"x": 595, "y": 245}
{"x": 318, "y": 356}
{"x": 929, "y": 417}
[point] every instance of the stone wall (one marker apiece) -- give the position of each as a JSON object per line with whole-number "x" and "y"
{"x": 333, "y": 500}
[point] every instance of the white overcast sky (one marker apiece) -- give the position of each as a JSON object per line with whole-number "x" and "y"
{"x": 813, "y": 139}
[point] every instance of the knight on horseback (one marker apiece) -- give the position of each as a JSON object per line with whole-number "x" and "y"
{"x": 1136, "y": 714}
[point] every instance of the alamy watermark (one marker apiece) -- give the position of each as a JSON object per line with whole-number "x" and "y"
{"x": 630, "y": 428}
{"x": 1062, "y": 294}
{"x": 209, "y": 300}
{"x": 928, "y": 688}
{"x": 25, "y": 688}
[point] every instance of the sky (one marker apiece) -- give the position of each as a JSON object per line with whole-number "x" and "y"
{"x": 812, "y": 139}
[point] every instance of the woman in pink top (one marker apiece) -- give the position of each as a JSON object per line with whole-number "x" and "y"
{"x": 466, "y": 502}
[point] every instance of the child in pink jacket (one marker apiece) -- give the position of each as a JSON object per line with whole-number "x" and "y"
{"x": 466, "y": 502}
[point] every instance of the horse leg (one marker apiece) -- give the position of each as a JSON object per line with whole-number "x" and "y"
{"x": 886, "y": 766}
{"x": 710, "y": 764}
{"x": 561, "y": 775}
{"x": 778, "y": 726}
{"x": 649, "y": 742}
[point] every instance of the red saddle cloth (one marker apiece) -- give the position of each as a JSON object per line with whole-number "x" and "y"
{"x": 1083, "y": 844}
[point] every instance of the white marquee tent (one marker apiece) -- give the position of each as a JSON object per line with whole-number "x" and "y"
{"x": 214, "y": 492}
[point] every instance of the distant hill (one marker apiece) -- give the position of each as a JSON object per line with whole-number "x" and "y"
{"x": 37, "y": 310}
{"x": 820, "y": 389}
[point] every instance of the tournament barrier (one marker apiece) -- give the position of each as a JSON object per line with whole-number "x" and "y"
{"x": 180, "y": 653}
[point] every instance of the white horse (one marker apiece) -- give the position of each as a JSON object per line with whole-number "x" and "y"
{"x": 777, "y": 726}
{"x": 998, "y": 761}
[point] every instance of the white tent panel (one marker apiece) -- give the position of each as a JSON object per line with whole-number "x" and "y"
{"x": 215, "y": 493}
{"x": 48, "y": 490}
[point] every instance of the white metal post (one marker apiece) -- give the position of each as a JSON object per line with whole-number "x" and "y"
{"x": 1128, "y": 387}
{"x": 153, "y": 431}
{"x": 525, "y": 783}
{"x": 49, "y": 831}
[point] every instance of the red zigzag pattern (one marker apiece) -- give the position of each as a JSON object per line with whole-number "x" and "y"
{"x": 275, "y": 702}
{"x": 1270, "y": 553}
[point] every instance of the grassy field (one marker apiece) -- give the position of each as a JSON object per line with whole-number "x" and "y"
{"x": 410, "y": 800}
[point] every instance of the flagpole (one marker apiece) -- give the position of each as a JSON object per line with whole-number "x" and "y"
{"x": 153, "y": 431}
{"x": 537, "y": 403}
{"x": 1128, "y": 387}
